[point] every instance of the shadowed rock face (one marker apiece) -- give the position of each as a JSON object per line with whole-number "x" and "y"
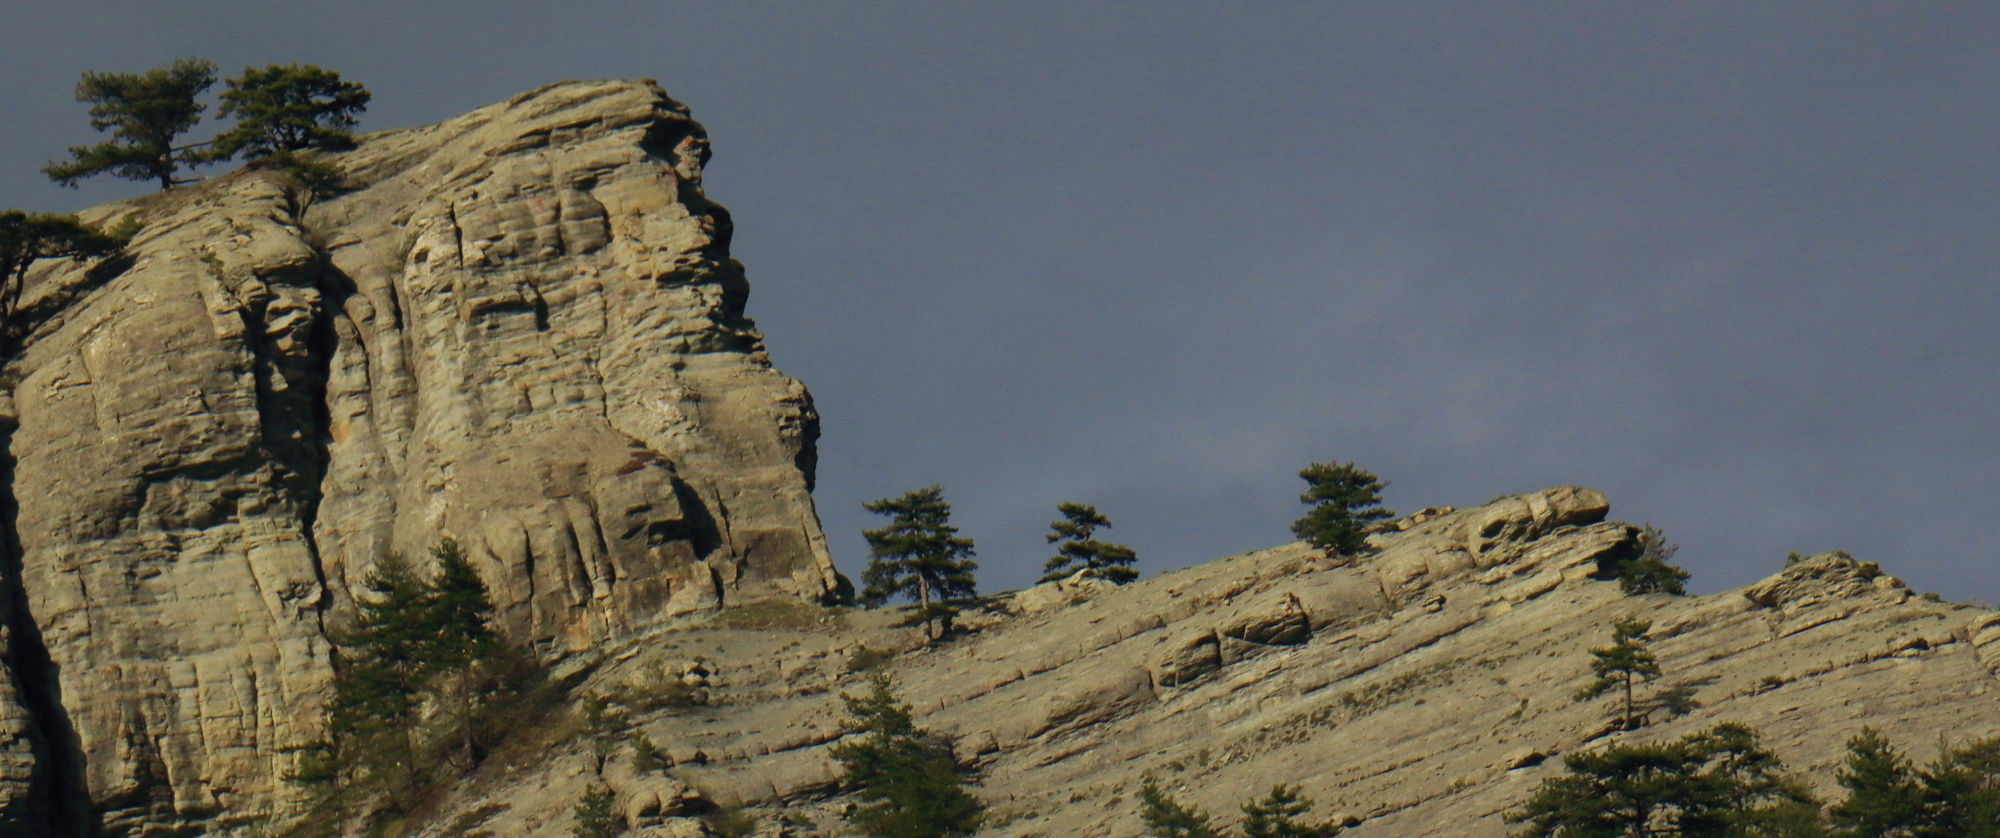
{"x": 522, "y": 329}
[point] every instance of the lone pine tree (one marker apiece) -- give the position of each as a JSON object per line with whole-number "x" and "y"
{"x": 1077, "y": 550}
{"x": 1345, "y": 499}
{"x": 919, "y": 555}
{"x": 145, "y": 113}
{"x": 1621, "y": 665}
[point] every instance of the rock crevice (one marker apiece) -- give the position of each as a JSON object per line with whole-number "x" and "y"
{"x": 520, "y": 328}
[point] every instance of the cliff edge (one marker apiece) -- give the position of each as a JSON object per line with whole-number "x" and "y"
{"x": 520, "y": 328}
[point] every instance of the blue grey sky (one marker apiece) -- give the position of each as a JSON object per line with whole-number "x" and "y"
{"x": 1732, "y": 263}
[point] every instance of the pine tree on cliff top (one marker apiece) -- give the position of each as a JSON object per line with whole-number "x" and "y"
{"x": 1078, "y": 550}
{"x": 919, "y": 555}
{"x": 1345, "y": 499}
{"x": 145, "y": 113}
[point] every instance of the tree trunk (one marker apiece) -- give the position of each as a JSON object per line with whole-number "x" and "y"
{"x": 1628, "y": 702}
{"x": 924, "y": 602}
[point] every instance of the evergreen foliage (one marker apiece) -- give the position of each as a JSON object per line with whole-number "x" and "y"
{"x": 1961, "y": 792}
{"x": 287, "y": 108}
{"x": 421, "y": 680}
{"x": 919, "y": 555}
{"x": 145, "y": 113}
{"x": 26, "y": 238}
{"x": 1716, "y": 782}
{"x": 1883, "y": 796}
{"x": 910, "y": 784}
{"x": 1077, "y": 549}
{"x": 1165, "y": 817}
{"x": 1280, "y": 815}
{"x": 597, "y": 815}
{"x": 1345, "y": 501}
{"x": 1621, "y": 665}
{"x": 602, "y": 725}
{"x": 1650, "y": 572}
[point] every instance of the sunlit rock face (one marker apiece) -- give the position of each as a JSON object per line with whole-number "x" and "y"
{"x": 520, "y": 328}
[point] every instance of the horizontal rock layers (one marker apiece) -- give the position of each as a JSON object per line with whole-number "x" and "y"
{"x": 1425, "y": 689}
{"x": 520, "y": 328}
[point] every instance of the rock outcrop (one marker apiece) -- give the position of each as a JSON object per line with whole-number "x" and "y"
{"x": 520, "y": 328}
{"x": 1425, "y": 689}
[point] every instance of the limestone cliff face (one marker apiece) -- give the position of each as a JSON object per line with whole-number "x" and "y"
{"x": 521, "y": 329}
{"x": 1422, "y": 690}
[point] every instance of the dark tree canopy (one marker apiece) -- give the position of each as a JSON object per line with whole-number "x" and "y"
{"x": 910, "y": 784}
{"x": 1077, "y": 550}
{"x": 918, "y": 555}
{"x": 288, "y": 107}
{"x": 144, "y": 112}
{"x": 1282, "y": 814}
{"x": 26, "y": 238}
{"x": 1166, "y": 817}
{"x": 417, "y": 679}
{"x": 1345, "y": 501}
{"x": 1650, "y": 572}
{"x": 1883, "y": 795}
{"x": 1716, "y": 782}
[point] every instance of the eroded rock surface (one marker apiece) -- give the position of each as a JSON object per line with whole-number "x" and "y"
{"x": 1422, "y": 690}
{"x": 521, "y": 329}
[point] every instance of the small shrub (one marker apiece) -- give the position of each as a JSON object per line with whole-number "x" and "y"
{"x": 732, "y": 822}
{"x": 646, "y": 756}
{"x": 869, "y": 659}
{"x": 596, "y": 814}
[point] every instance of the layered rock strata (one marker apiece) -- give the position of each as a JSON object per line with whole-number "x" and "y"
{"x": 520, "y": 328}
{"x": 1425, "y": 689}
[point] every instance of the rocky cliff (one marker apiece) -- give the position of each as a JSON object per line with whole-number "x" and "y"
{"x": 520, "y": 328}
{"x": 1422, "y": 690}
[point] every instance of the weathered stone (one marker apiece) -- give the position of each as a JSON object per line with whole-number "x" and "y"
{"x": 1396, "y": 718}
{"x": 522, "y": 329}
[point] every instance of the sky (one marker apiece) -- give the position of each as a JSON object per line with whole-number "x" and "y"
{"x": 1732, "y": 264}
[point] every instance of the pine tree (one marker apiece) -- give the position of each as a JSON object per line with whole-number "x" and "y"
{"x": 288, "y": 108}
{"x": 597, "y": 815}
{"x": 1345, "y": 501}
{"x": 1715, "y": 782}
{"x": 1279, "y": 815}
{"x": 919, "y": 555}
{"x": 26, "y": 238}
{"x": 1961, "y": 792}
{"x": 461, "y": 641}
{"x": 1884, "y": 799}
{"x": 1650, "y": 572}
{"x": 1079, "y": 551}
{"x": 145, "y": 113}
{"x": 379, "y": 675}
{"x": 909, "y": 782}
{"x": 1165, "y": 817}
{"x": 413, "y": 673}
{"x": 1621, "y": 665}
{"x": 1743, "y": 789}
